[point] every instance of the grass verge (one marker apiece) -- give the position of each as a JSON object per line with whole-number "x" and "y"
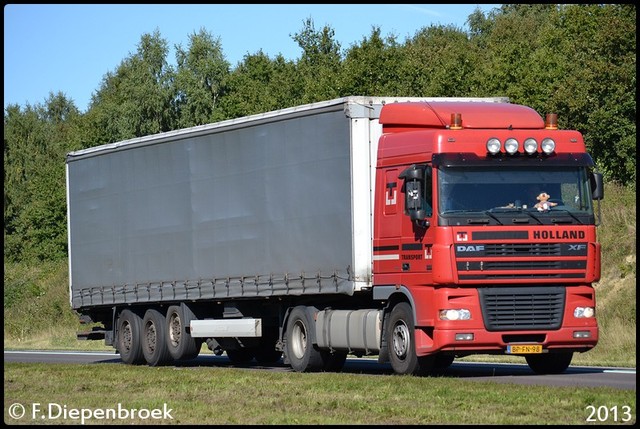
{"x": 240, "y": 396}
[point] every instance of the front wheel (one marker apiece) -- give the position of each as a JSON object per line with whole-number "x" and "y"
{"x": 402, "y": 346}
{"x": 550, "y": 363}
{"x": 301, "y": 354}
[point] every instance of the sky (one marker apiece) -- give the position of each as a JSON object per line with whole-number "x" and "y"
{"x": 51, "y": 48}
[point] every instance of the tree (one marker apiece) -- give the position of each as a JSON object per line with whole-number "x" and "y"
{"x": 437, "y": 62}
{"x": 138, "y": 98}
{"x": 598, "y": 91}
{"x": 259, "y": 84}
{"x": 320, "y": 63}
{"x": 36, "y": 141}
{"x": 200, "y": 79}
{"x": 372, "y": 67}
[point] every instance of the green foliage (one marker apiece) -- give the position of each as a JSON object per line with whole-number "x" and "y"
{"x": 618, "y": 231}
{"x": 200, "y": 80}
{"x": 36, "y": 298}
{"x": 259, "y": 84}
{"x": 320, "y": 63}
{"x": 138, "y": 99}
{"x": 36, "y": 142}
{"x": 575, "y": 60}
{"x": 373, "y": 67}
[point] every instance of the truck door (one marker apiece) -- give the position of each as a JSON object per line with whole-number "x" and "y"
{"x": 388, "y": 221}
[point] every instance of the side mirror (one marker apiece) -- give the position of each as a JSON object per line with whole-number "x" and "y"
{"x": 597, "y": 186}
{"x": 414, "y": 192}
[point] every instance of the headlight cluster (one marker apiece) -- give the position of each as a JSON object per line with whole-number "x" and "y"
{"x": 581, "y": 312}
{"x": 512, "y": 146}
{"x": 455, "y": 314}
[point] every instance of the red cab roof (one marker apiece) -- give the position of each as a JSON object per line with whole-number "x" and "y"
{"x": 475, "y": 114}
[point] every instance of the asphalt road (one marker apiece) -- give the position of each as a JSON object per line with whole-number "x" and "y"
{"x": 579, "y": 376}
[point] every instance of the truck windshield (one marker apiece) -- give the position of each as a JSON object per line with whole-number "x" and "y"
{"x": 488, "y": 189}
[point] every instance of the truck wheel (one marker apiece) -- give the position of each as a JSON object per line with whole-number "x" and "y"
{"x": 402, "y": 347}
{"x": 181, "y": 345}
{"x": 129, "y": 338}
{"x": 299, "y": 348}
{"x": 550, "y": 363}
{"x": 154, "y": 338}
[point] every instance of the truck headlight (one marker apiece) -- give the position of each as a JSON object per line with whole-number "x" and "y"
{"x": 581, "y": 312}
{"x": 511, "y": 146}
{"x": 493, "y": 146}
{"x": 530, "y": 146}
{"x": 455, "y": 314}
{"x": 548, "y": 146}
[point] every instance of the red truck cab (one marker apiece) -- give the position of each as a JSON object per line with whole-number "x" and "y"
{"x": 459, "y": 233}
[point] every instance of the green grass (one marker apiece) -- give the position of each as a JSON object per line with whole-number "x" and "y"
{"x": 236, "y": 396}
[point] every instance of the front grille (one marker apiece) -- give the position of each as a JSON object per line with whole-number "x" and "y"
{"x": 524, "y": 264}
{"x": 528, "y": 249}
{"x": 513, "y": 261}
{"x": 521, "y": 308}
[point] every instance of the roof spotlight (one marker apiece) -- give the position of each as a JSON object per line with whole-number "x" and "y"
{"x": 530, "y": 146}
{"x": 493, "y": 146}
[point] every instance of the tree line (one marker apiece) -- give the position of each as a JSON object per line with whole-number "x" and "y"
{"x": 575, "y": 60}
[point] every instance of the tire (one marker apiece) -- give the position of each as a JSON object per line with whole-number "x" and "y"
{"x": 154, "y": 338}
{"x": 181, "y": 345}
{"x": 301, "y": 354}
{"x": 129, "y": 342}
{"x": 550, "y": 363}
{"x": 402, "y": 347}
{"x": 333, "y": 361}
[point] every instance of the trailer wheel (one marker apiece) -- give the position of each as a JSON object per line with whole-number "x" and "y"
{"x": 550, "y": 363}
{"x": 299, "y": 348}
{"x": 180, "y": 343}
{"x": 402, "y": 347}
{"x": 154, "y": 338}
{"x": 129, "y": 338}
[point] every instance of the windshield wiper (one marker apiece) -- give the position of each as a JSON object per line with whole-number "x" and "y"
{"x": 528, "y": 213}
{"x": 473, "y": 220}
{"x": 488, "y": 213}
{"x": 555, "y": 220}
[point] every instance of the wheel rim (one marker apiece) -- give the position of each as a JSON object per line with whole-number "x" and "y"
{"x": 401, "y": 340}
{"x": 151, "y": 336}
{"x": 127, "y": 336}
{"x": 174, "y": 330}
{"x": 299, "y": 340}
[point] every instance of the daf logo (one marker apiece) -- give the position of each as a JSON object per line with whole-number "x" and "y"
{"x": 577, "y": 247}
{"x": 462, "y": 248}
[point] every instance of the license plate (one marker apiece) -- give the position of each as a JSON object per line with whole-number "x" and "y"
{"x": 524, "y": 349}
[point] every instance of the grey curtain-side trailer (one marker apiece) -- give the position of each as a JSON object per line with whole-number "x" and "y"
{"x": 253, "y": 235}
